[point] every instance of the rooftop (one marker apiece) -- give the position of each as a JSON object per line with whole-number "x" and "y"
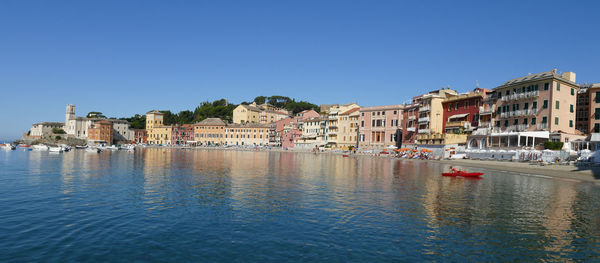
{"x": 536, "y": 77}
{"x": 211, "y": 122}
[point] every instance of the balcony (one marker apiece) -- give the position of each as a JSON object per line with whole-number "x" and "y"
{"x": 517, "y": 128}
{"x": 520, "y": 96}
{"x": 486, "y": 110}
{"x": 424, "y": 108}
{"x": 412, "y": 117}
{"x": 427, "y": 131}
{"x": 482, "y": 131}
{"x": 518, "y": 113}
{"x": 411, "y": 129}
{"x": 542, "y": 126}
{"x": 484, "y": 124}
{"x": 424, "y": 120}
{"x": 451, "y": 124}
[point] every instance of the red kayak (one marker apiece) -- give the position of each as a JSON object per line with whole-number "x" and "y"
{"x": 463, "y": 174}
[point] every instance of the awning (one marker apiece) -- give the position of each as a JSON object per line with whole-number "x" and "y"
{"x": 458, "y": 116}
{"x": 595, "y": 137}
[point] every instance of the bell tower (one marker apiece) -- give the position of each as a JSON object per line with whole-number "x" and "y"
{"x": 70, "y": 113}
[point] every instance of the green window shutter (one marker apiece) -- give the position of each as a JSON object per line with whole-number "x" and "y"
{"x": 532, "y": 121}
{"x": 544, "y": 119}
{"x": 572, "y": 91}
{"x": 597, "y": 113}
{"x": 545, "y": 104}
{"x": 557, "y": 105}
{"x": 558, "y": 86}
{"x": 597, "y": 96}
{"x": 555, "y": 120}
{"x": 571, "y": 108}
{"x": 546, "y": 86}
{"x": 525, "y": 121}
{"x": 597, "y": 127}
{"x": 571, "y": 123}
{"x": 516, "y": 122}
{"x": 534, "y": 105}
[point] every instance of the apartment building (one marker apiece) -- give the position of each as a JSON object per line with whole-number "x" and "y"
{"x": 314, "y": 133}
{"x": 431, "y": 111}
{"x": 210, "y": 131}
{"x": 253, "y": 113}
{"x": 333, "y": 127}
{"x": 348, "y": 126}
{"x": 410, "y": 115}
{"x": 380, "y": 127}
{"x": 255, "y": 134}
{"x": 158, "y": 133}
{"x": 101, "y": 133}
{"x": 588, "y": 109}
{"x": 461, "y": 112}
{"x": 534, "y": 108}
{"x": 182, "y": 134}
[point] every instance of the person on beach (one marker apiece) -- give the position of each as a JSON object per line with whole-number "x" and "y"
{"x": 454, "y": 170}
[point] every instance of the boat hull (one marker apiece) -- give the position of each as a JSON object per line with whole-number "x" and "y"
{"x": 463, "y": 174}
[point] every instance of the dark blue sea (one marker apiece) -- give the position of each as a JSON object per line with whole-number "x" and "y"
{"x": 157, "y": 205}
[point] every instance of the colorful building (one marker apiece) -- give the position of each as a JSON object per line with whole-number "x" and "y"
{"x": 333, "y": 127}
{"x": 314, "y": 133}
{"x": 158, "y": 133}
{"x": 210, "y": 131}
{"x": 536, "y": 108}
{"x": 250, "y": 134}
{"x": 264, "y": 113}
{"x": 182, "y": 134}
{"x": 431, "y": 111}
{"x": 348, "y": 125}
{"x": 461, "y": 112}
{"x": 588, "y": 109}
{"x": 380, "y": 127}
{"x": 410, "y": 115}
{"x": 140, "y": 136}
{"x": 101, "y": 133}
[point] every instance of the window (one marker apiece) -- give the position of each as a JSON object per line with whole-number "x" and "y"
{"x": 534, "y": 105}
{"x": 571, "y": 108}
{"x": 597, "y": 127}
{"x": 597, "y": 113}
{"x": 571, "y": 123}
{"x": 449, "y": 107}
{"x": 597, "y": 97}
{"x": 545, "y": 104}
{"x": 505, "y": 123}
{"x": 533, "y": 121}
{"x": 558, "y": 86}
{"x": 557, "y": 105}
{"x": 572, "y": 91}
{"x": 555, "y": 120}
{"x": 526, "y": 106}
{"x": 498, "y": 124}
{"x": 516, "y": 122}
{"x": 525, "y": 121}
{"x": 546, "y": 85}
{"x": 362, "y": 123}
{"x": 544, "y": 119}
{"x": 395, "y": 112}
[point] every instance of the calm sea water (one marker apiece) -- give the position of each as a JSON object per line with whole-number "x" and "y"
{"x": 159, "y": 205}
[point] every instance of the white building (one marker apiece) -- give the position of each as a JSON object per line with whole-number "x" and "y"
{"x": 43, "y": 129}
{"x": 78, "y": 126}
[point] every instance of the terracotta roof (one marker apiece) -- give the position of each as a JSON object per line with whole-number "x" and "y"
{"x": 535, "y": 77}
{"x": 211, "y": 122}
{"x": 350, "y": 111}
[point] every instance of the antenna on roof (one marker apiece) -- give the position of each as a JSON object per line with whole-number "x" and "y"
{"x": 477, "y": 84}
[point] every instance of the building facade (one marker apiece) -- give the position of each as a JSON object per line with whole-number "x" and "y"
{"x": 314, "y": 133}
{"x": 182, "y": 134}
{"x": 461, "y": 113}
{"x": 140, "y": 136}
{"x": 250, "y": 134}
{"x": 210, "y": 131}
{"x": 348, "y": 127}
{"x": 158, "y": 133}
{"x": 380, "y": 127}
{"x": 101, "y": 133}
{"x": 252, "y": 113}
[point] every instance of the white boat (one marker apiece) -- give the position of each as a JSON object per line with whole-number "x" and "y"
{"x": 80, "y": 147}
{"x": 93, "y": 150}
{"x": 8, "y": 146}
{"x": 39, "y": 147}
{"x": 112, "y": 147}
{"x": 65, "y": 147}
{"x": 56, "y": 149}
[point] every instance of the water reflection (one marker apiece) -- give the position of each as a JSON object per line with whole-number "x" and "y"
{"x": 312, "y": 206}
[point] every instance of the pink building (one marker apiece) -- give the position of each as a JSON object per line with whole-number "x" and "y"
{"x": 380, "y": 127}
{"x": 289, "y": 129}
{"x": 181, "y": 134}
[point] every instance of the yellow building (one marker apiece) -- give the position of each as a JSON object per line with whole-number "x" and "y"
{"x": 158, "y": 133}
{"x": 431, "y": 111}
{"x": 210, "y": 131}
{"x": 252, "y": 113}
{"x": 334, "y": 122}
{"x": 247, "y": 134}
{"x": 348, "y": 128}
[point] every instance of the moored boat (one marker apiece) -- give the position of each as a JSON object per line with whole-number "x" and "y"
{"x": 80, "y": 146}
{"x": 93, "y": 150}
{"x": 39, "y": 147}
{"x": 8, "y": 146}
{"x": 55, "y": 149}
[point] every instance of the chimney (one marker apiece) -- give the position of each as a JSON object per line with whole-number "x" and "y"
{"x": 570, "y": 76}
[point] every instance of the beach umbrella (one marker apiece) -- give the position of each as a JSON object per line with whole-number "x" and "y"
{"x": 414, "y": 151}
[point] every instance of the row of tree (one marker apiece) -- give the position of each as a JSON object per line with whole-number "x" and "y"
{"x": 218, "y": 109}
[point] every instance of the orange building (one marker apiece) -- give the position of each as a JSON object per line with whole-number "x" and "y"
{"x": 101, "y": 132}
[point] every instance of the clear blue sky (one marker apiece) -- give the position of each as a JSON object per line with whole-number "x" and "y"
{"x": 127, "y": 57}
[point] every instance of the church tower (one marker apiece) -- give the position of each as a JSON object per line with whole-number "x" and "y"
{"x": 70, "y": 113}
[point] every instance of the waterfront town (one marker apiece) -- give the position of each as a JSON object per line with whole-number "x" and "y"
{"x": 547, "y": 110}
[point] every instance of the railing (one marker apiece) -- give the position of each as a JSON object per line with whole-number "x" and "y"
{"x": 542, "y": 126}
{"x": 485, "y": 110}
{"x": 518, "y": 113}
{"x": 457, "y": 123}
{"x": 482, "y": 131}
{"x": 424, "y": 131}
{"x": 423, "y": 119}
{"x": 425, "y": 108}
{"x": 484, "y": 124}
{"x": 520, "y": 96}
{"x": 412, "y": 117}
{"x": 411, "y": 129}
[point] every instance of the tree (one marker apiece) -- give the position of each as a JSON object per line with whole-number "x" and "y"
{"x": 260, "y": 100}
{"x": 137, "y": 121}
{"x": 58, "y": 131}
{"x": 95, "y": 114}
